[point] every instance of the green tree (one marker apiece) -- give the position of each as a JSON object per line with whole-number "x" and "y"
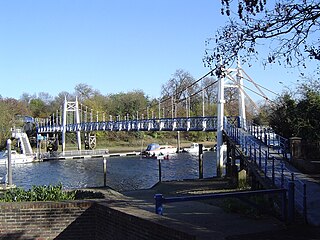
{"x": 127, "y": 104}
{"x": 38, "y": 108}
{"x": 299, "y": 116}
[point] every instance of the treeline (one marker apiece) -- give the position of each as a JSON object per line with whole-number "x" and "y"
{"x": 294, "y": 113}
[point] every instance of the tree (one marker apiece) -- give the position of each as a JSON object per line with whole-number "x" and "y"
{"x": 300, "y": 115}
{"x": 10, "y": 108}
{"x": 282, "y": 115}
{"x": 38, "y": 108}
{"x": 291, "y": 26}
{"x": 83, "y": 91}
{"x": 123, "y": 104}
{"x": 180, "y": 86}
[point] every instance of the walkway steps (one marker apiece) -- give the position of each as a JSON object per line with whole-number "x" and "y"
{"x": 239, "y": 137}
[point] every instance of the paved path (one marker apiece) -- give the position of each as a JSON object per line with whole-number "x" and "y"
{"x": 205, "y": 219}
{"x": 217, "y": 223}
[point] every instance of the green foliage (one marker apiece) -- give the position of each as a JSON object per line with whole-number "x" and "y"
{"x": 38, "y": 193}
{"x": 299, "y": 116}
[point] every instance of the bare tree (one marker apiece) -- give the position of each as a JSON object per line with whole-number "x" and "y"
{"x": 291, "y": 26}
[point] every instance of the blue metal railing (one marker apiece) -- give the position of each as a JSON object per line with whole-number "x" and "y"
{"x": 272, "y": 166}
{"x": 287, "y": 211}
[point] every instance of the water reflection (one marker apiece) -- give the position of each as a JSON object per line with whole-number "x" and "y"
{"x": 123, "y": 173}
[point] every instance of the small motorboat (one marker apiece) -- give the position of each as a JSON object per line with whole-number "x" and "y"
{"x": 194, "y": 148}
{"x": 155, "y": 150}
{"x": 16, "y": 158}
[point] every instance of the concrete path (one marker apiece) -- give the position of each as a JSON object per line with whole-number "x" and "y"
{"x": 217, "y": 223}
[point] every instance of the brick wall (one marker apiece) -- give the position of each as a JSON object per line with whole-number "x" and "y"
{"x": 47, "y": 220}
{"x": 134, "y": 224}
{"x": 82, "y": 220}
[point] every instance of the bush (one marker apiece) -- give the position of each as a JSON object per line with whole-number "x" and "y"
{"x": 38, "y": 193}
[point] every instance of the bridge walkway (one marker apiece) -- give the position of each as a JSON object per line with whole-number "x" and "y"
{"x": 274, "y": 168}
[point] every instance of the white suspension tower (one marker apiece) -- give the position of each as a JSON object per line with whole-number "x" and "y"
{"x": 70, "y": 107}
{"x": 242, "y": 106}
{"x": 236, "y": 83}
{"x": 220, "y": 147}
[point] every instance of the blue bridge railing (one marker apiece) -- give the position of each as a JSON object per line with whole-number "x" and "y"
{"x": 271, "y": 163}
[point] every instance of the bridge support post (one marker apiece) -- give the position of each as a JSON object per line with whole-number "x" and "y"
{"x": 64, "y": 125}
{"x": 78, "y": 123}
{"x": 242, "y": 109}
{"x": 220, "y": 146}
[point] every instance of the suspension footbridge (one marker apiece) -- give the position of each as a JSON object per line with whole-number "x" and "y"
{"x": 262, "y": 152}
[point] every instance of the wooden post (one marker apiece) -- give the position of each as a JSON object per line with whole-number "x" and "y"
{"x": 159, "y": 163}
{"x": 200, "y": 161}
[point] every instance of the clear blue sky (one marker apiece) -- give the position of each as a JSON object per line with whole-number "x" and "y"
{"x": 113, "y": 46}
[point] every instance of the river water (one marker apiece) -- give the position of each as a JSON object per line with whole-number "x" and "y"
{"x": 123, "y": 173}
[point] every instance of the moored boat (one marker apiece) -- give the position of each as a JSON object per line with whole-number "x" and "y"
{"x": 16, "y": 158}
{"x": 155, "y": 150}
{"x": 194, "y": 148}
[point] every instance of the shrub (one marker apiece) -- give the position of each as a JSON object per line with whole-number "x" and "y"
{"x": 38, "y": 193}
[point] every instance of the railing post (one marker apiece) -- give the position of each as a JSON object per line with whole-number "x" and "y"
{"x": 273, "y": 178}
{"x": 255, "y": 153}
{"x": 265, "y": 164}
{"x": 284, "y": 205}
{"x": 282, "y": 174}
{"x": 159, "y": 202}
{"x": 290, "y": 201}
{"x": 305, "y": 203}
{"x": 260, "y": 156}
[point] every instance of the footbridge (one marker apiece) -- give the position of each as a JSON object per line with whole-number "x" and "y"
{"x": 264, "y": 154}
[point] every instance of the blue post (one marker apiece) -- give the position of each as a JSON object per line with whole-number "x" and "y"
{"x": 246, "y": 147}
{"x": 305, "y": 202}
{"x": 265, "y": 164}
{"x": 260, "y": 156}
{"x": 273, "y": 179}
{"x": 159, "y": 201}
{"x": 282, "y": 174}
{"x": 284, "y": 206}
{"x": 290, "y": 201}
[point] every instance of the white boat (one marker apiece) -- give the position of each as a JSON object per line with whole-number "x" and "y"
{"x": 156, "y": 150}
{"x": 16, "y": 158}
{"x": 194, "y": 148}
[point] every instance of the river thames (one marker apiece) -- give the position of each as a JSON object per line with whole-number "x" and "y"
{"x": 123, "y": 173}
